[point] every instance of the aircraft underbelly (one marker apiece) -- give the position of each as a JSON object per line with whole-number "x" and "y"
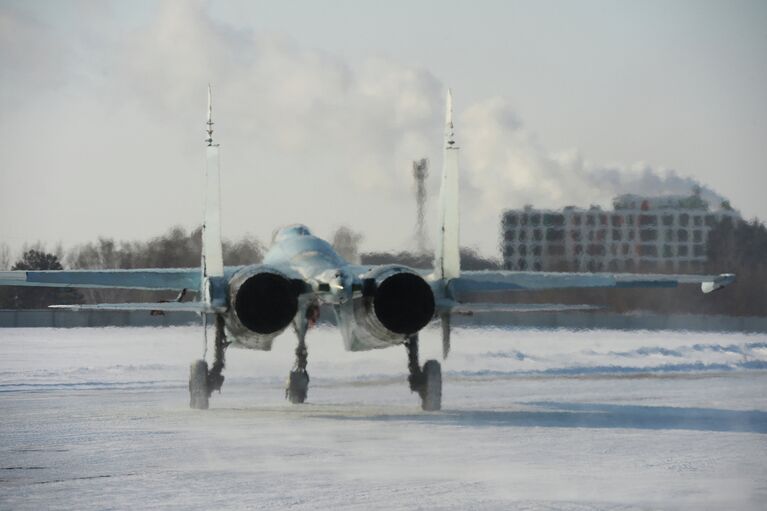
{"x": 252, "y": 342}
{"x": 355, "y": 336}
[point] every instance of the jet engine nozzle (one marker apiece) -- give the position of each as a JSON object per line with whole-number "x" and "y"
{"x": 264, "y": 300}
{"x": 396, "y": 303}
{"x": 404, "y": 303}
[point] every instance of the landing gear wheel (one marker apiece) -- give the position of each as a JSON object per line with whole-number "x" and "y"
{"x": 431, "y": 392}
{"x": 426, "y": 380}
{"x": 298, "y": 387}
{"x": 198, "y": 385}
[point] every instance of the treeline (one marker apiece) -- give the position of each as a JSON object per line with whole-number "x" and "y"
{"x": 470, "y": 260}
{"x": 734, "y": 247}
{"x": 177, "y": 248}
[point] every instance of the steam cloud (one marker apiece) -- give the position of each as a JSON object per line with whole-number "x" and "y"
{"x": 306, "y": 136}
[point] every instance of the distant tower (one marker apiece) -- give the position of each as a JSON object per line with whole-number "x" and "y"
{"x": 420, "y": 173}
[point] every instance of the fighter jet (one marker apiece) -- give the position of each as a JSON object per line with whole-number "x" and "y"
{"x": 374, "y": 306}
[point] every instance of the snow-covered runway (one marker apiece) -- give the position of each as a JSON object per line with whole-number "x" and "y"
{"x": 97, "y": 419}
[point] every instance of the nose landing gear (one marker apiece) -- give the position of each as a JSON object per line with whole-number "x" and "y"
{"x": 298, "y": 382}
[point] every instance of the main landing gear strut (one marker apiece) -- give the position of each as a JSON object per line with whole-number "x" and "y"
{"x": 427, "y": 381}
{"x": 297, "y": 387}
{"x": 202, "y": 382}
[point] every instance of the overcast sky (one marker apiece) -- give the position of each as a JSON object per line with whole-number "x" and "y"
{"x": 320, "y": 107}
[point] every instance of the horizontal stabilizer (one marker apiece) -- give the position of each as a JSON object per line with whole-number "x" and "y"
{"x": 159, "y": 306}
{"x": 472, "y": 308}
{"x": 489, "y": 282}
{"x": 174, "y": 279}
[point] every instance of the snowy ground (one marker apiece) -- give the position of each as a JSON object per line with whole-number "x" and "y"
{"x": 97, "y": 419}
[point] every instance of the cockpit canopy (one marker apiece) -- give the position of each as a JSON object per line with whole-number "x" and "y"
{"x": 290, "y": 231}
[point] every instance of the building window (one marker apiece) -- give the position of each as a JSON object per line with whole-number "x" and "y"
{"x": 648, "y": 235}
{"x": 667, "y": 251}
{"x": 602, "y": 219}
{"x": 510, "y": 235}
{"x": 556, "y": 250}
{"x": 537, "y": 235}
{"x": 710, "y": 220}
{"x": 535, "y": 219}
{"x": 521, "y": 264}
{"x": 511, "y": 220}
{"x": 617, "y": 235}
{"x": 508, "y": 251}
{"x": 625, "y": 249}
{"x": 553, "y": 220}
{"x": 617, "y": 220}
{"x": 577, "y": 219}
{"x": 668, "y": 220}
{"x": 697, "y": 236}
{"x": 697, "y": 220}
{"x": 537, "y": 266}
{"x": 648, "y": 250}
{"x": 523, "y": 219}
{"x": 646, "y": 220}
{"x": 669, "y": 235}
{"x": 632, "y": 235}
{"x": 684, "y": 219}
{"x": 578, "y": 249}
{"x": 575, "y": 235}
{"x": 595, "y": 249}
{"x": 537, "y": 250}
{"x": 523, "y": 250}
{"x": 681, "y": 251}
{"x": 648, "y": 265}
{"x": 555, "y": 234}
{"x": 522, "y": 235}
{"x": 698, "y": 250}
{"x": 681, "y": 235}
{"x": 590, "y": 220}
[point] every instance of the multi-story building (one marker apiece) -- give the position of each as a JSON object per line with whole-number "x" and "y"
{"x": 667, "y": 233}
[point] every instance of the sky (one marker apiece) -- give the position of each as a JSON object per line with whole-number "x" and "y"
{"x": 320, "y": 108}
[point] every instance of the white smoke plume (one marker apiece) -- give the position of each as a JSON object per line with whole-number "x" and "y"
{"x": 108, "y": 129}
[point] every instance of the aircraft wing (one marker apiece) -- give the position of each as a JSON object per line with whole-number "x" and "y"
{"x": 200, "y": 307}
{"x": 174, "y": 279}
{"x": 479, "y": 282}
{"x": 469, "y": 309}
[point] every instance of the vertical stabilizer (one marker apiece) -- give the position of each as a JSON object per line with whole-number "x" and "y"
{"x": 447, "y": 263}
{"x": 212, "y": 255}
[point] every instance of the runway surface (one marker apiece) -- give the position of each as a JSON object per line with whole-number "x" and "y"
{"x": 98, "y": 419}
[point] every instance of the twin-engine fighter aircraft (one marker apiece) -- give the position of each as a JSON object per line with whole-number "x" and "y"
{"x": 375, "y": 306}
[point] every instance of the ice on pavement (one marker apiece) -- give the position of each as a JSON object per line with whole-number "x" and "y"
{"x": 97, "y": 419}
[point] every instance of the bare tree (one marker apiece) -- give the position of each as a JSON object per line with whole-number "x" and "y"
{"x": 5, "y": 256}
{"x": 346, "y": 244}
{"x": 37, "y": 298}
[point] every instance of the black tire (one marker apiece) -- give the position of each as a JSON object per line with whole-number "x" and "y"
{"x": 298, "y": 387}
{"x": 431, "y": 399}
{"x": 198, "y": 385}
